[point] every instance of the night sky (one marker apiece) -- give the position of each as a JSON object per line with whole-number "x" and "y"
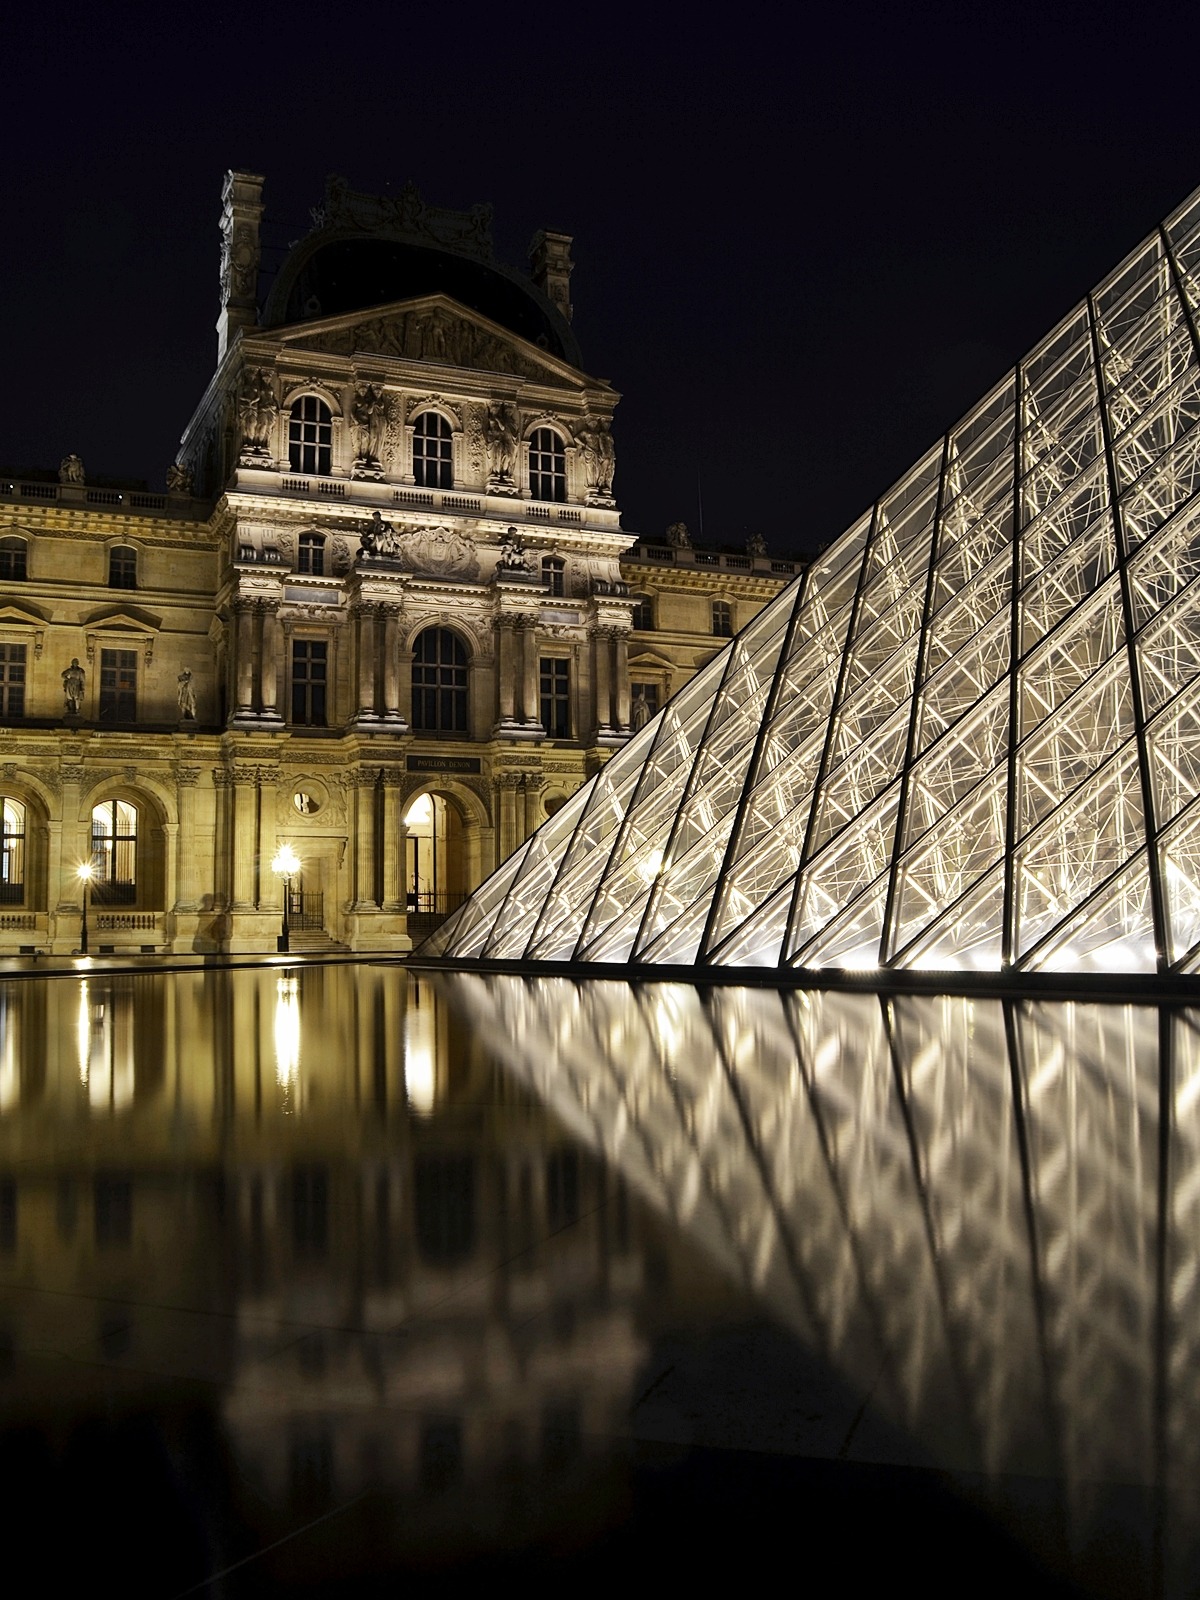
{"x": 806, "y": 240}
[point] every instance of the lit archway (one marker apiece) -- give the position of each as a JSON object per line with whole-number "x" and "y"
{"x": 434, "y": 867}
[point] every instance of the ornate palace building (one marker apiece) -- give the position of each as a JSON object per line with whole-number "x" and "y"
{"x": 385, "y": 611}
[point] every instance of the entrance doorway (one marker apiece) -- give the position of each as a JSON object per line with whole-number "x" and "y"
{"x": 434, "y": 882}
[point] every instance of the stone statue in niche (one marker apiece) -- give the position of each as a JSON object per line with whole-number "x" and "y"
{"x": 639, "y": 710}
{"x": 513, "y": 555}
{"x": 501, "y": 431}
{"x": 678, "y": 537}
{"x": 370, "y": 423}
{"x": 70, "y": 470}
{"x": 257, "y": 410}
{"x": 73, "y": 680}
{"x": 756, "y": 545}
{"x": 179, "y": 478}
{"x": 186, "y": 695}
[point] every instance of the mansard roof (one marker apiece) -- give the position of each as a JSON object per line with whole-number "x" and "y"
{"x": 368, "y": 251}
{"x": 967, "y": 738}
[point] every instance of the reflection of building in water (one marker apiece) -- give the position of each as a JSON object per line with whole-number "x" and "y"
{"x": 959, "y": 1203}
{"x": 311, "y": 1192}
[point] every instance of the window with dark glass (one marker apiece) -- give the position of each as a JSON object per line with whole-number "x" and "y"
{"x": 556, "y": 697}
{"x": 439, "y": 682}
{"x": 12, "y": 559}
{"x": 12, "y": 680}
{"x": 311, "y": 557}
{"x": 12, "y": 854}
{"x": 722, "y": 619}
{"x": 433, "y": 444}
{"x": 114, "y": 853}
{"x": 118, "y": 685}
{"x": 643, "y": 613}
{"x": 310, "y": 670}
{"x": 122, "y": 567}
{"x": 547, "y": 465}
{"x": 554, "y": 574}
{"x": 310, "y": 436}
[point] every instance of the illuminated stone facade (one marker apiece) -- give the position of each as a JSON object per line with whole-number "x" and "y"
{"x": 380, "y": 613}
{"x": 968, "y": 738}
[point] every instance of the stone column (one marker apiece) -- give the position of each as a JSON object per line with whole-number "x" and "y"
{"x": 602, "y": 678}
{"x": 533, "y": 790}
{"x": 391, "y": 664}
{"x": 532, "y": 707}
{"x": 508, "y": 813}
{"x": 187, "y": 870}
{"x": 244, "y": 836}
{"x": 621, "y": 650}
{"x": 170, "y": 868}
{"x": 395, "y": 839}
{"x": 505, "y": 674}
{"x": 267, "y": 889}
{"x": 366, "y": 663}
{"x": 270, "y": 664}
{"x": 244, "y": 658}
{"x": 364, "y": 848}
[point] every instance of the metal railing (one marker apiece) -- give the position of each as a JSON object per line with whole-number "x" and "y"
{"x": 306, "y": 911}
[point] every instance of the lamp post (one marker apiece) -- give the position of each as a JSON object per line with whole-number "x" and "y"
{"x": 85, "y": 873}
{"x": 285, "y": 866}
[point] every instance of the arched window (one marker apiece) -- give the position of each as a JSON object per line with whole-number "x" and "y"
{"x": 114, "y": 853}
{"x": 722, "y": 619}
{"x": 547, "y": 465}
{"x": 12, "y": 854}
{"x": 554, "y": 570}
{"x": 433, "y": 462}
{"x": 310, "y": 436}
{"x": 122, "y": 567}
{"x": 439, "y": 682}
{"x": 12, "y": 559}
{"x": 311, "y": 557}
{"x": 643, "y": 613}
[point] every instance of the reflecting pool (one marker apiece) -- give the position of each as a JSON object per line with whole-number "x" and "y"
{"x": 317, "y": 1280}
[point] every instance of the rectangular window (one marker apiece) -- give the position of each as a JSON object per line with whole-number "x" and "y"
{"x": 12, "y": 680}
{"x": 556, "y": 697}
{"x": 118, "y": 686}
{"x": 310, "y": 664}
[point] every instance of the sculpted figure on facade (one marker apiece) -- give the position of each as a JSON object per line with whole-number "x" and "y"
{"x": 257, "y": 410}
{"x": 502, "y": 446}
{"x": 186, "y": 695}
{"x": 756, "y": 545}
{"x": 179, "y": 478}
{"x": 639, "y": 710}
{"x": 70, "y": 470}
{"x": 597, "y": 458}
{"x": 678, "y": 537}
{"x": 73, "y": 681}
{"x": 379, "y": 539}
{"x": 370, "y": 423}
{"x": 513, "y": 555}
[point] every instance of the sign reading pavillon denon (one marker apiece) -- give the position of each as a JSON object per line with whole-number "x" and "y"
{"x": 968, "y": 738}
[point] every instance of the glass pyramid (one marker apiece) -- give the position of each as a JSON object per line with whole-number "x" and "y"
{"x": 966, "y": 738}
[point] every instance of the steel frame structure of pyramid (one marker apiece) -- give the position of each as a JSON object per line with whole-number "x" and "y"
{"x": 967, "y": 738}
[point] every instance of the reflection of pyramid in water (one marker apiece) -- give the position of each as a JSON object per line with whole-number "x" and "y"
{"x": 968, "y": 736}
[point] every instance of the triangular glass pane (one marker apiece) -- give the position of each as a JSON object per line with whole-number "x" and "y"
{"x": 1179, "y": 854}
{"x": 957, "y": 851}
{"x": 850, "y": 941}
{"x": 968, "y": 937}
{"x": 1114, "y": 932}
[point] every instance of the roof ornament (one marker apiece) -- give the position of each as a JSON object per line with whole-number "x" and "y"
{"x": 404, "y": 216}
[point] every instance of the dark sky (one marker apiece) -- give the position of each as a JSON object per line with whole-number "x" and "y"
{"x": 806, "y": 239}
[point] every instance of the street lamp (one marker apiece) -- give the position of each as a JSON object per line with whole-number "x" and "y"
{"x": 285, "y": 865}
{"x": 85, "y": 873}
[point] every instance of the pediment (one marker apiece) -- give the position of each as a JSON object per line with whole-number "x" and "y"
{"x": 21, "y": 613}
{"x": 128, "y": 619}
{"x": 650, "y": 658}
{"x": 436, "y": 329}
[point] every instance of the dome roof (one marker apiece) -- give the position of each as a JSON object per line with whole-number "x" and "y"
{"x": 368, "y": 252}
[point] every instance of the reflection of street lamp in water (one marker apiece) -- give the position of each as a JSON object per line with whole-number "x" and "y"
{"x": 85, "y": 874}
{"x": 285, "y": 865}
